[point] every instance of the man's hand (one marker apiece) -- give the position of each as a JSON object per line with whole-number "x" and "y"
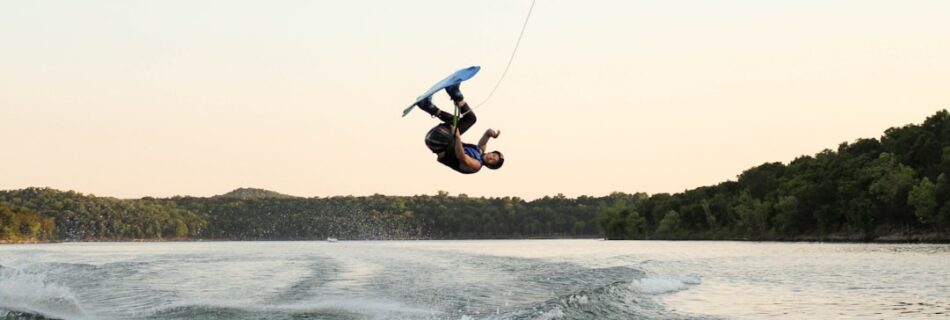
{"x": 493, "y": 133}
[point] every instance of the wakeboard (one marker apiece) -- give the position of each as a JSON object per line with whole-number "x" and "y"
{"x": 453, "y": 79}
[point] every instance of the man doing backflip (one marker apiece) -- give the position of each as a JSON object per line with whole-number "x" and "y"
{"x": 446, "y": 141}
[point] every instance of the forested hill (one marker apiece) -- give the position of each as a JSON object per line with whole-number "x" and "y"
{"x": 82, "y": 217}
{"x": 890, "y": 189}
{"x": 252, "y": 193}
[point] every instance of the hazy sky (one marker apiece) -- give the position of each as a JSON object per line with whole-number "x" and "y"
{"x": 161, "y": 98}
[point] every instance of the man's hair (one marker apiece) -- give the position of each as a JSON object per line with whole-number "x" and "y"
{"x": 501, "y": 161}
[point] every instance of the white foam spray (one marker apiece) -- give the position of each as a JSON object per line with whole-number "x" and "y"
{"x": 660, "y": 285}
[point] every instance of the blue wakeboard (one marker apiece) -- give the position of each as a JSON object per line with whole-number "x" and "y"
{"x": 453, "y": 79}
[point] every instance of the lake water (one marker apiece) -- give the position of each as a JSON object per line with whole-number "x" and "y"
{"x": 491, "y": 279}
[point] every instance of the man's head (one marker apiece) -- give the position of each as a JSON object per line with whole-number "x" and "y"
{"x": 493, "y": 160}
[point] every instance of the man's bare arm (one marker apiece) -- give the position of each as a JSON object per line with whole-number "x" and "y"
{"x": 469, "y": 164}
{"x": 483, "y": 142}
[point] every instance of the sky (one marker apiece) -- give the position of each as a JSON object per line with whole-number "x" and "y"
{"x": 160, "y": 98}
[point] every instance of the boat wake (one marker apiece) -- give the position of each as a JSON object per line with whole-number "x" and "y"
{"x": 387, "y": 284}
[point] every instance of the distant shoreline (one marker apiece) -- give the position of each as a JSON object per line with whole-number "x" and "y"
{"x": 853, "y": 239}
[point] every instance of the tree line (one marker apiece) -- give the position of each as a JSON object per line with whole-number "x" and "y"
{"x": 75, "y": 216}
{"x": 892, "y": 188}
{"x": 81, "y": 217}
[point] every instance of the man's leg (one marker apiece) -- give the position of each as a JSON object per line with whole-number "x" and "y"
{"x": 430, "y": 108}
{"x": 439, "y": 137}
{"x": 468, "y": 117}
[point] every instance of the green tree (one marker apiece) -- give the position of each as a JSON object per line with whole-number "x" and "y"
{"x": 891, "y": 181}
{"x": 923, "y": 199}
{"x": 635, "y": 225}
{"x": 611, "y": 219}
{"x": 786, "y": 215}
{"x": 670, "y": 224}
{"x": 711, "y": 220}
{"x": 753, "y": 216}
